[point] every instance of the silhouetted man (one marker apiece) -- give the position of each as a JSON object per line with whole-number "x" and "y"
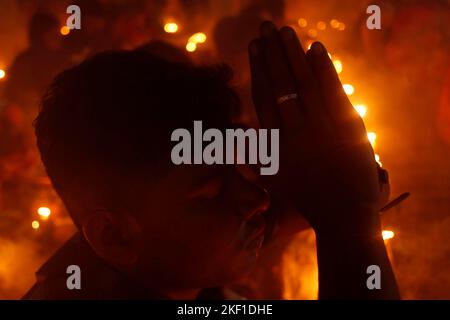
{"x": 151, "y": 229}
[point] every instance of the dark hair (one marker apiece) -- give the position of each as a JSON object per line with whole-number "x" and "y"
{"x": 166, "y": 51}
{"x": 104, "y": 126}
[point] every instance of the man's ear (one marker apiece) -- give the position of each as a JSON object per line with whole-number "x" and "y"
{"x": 113, "y": 237}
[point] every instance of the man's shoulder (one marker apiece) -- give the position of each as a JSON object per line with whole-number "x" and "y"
{"x": 98, "y": 281}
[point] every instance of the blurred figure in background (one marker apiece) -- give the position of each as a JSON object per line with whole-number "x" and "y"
{"x": 94, "y": 35}
{"x": 20, "y": 168}
{"x": 30, "y": 73}
{"x": 34, "y": 68}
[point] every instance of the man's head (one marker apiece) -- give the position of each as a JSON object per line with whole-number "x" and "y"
{"x": 104, "y": 137}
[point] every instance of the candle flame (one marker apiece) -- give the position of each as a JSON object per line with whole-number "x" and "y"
{"x": 65, "y": 30}
{"x": 337, "y": 65}
{"x": 361, "y": 109}
{"x": 171, "y": 27}
{"x": 44, "y": 212}
{"x": 349, "y": 89}
{"x": 377, "y": 159}
{"x": 198, "y": 37}
{"x": 191, "y": 47}
{"x": 372, "y": 136}
{"x": 387, "y": 234}
{"x": 35, "y": 225}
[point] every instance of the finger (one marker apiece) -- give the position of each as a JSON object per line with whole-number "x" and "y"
{"x": 280, "y": 76}
{"x": 306, "y": 81}
{"x": 261, "y": 91}
{"x": 343, "y": 117}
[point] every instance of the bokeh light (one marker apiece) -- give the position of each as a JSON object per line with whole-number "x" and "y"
{"x": 361, "y": 109}
{"x": 44, "y": 212}
{"x": 35, "y": 224}
{"x": 198, "y": 37}
{"x": 302, "y": 23}
{"x": 171, "y": 27}
{"x": 372, "y": 136}
{"x": 191, "y": 47}
{"x": 321, "y": 25}
{"x": 349, "y": 89}
{"x": 65, "y": 30}
{"x": 387, "y": 234}
{"x": 337, "y": 65}
{"x": 312, "y": 33}
{"x": 334, "y": 24}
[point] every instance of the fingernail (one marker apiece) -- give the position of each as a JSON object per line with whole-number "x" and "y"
{"x": 317, "y": 48}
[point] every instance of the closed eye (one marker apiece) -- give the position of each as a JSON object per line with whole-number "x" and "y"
{"x": 208, "y": 189}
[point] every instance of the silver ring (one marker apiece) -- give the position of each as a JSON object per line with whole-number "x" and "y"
{"x": 287, "y": 97}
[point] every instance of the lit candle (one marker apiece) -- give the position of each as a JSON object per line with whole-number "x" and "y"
{"x": 191, "y": 46}
{"x": 372, "y": 136}
{"x": 361, "y": 109}
{"x": 171, "y": 27}
{"x": 44, "y": 212}
{"x": 349, "y": 89}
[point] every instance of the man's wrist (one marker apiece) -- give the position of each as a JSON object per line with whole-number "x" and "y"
{"x": 351, "y": 222}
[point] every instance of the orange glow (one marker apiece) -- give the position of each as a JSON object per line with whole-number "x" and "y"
{"x": 171, "y": 27}
{"x": 341, "y": 26}
{"x": 349, "y": 89}
{"x": 372, "y": 136}
{"x": 334, "y": 24}
{"x": 302, "y": 23}
{"x": 191, "y": 47}
{"x": 312, "y": 33}
{"x": 321, "y": 25}
{"x": 361, "y": 109}
{"x": 2, "y": 74}
{"x": 64, "y": 30}
{"x": 337, "y": 65}
{"x": 198, "y": 37}
{"x": 44, "y": 212}
{"x": 35, "y": 225}
{"x": 377, "y": 159}
{"x": 387, "y": 234}
{"x": 299, "y": 268}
